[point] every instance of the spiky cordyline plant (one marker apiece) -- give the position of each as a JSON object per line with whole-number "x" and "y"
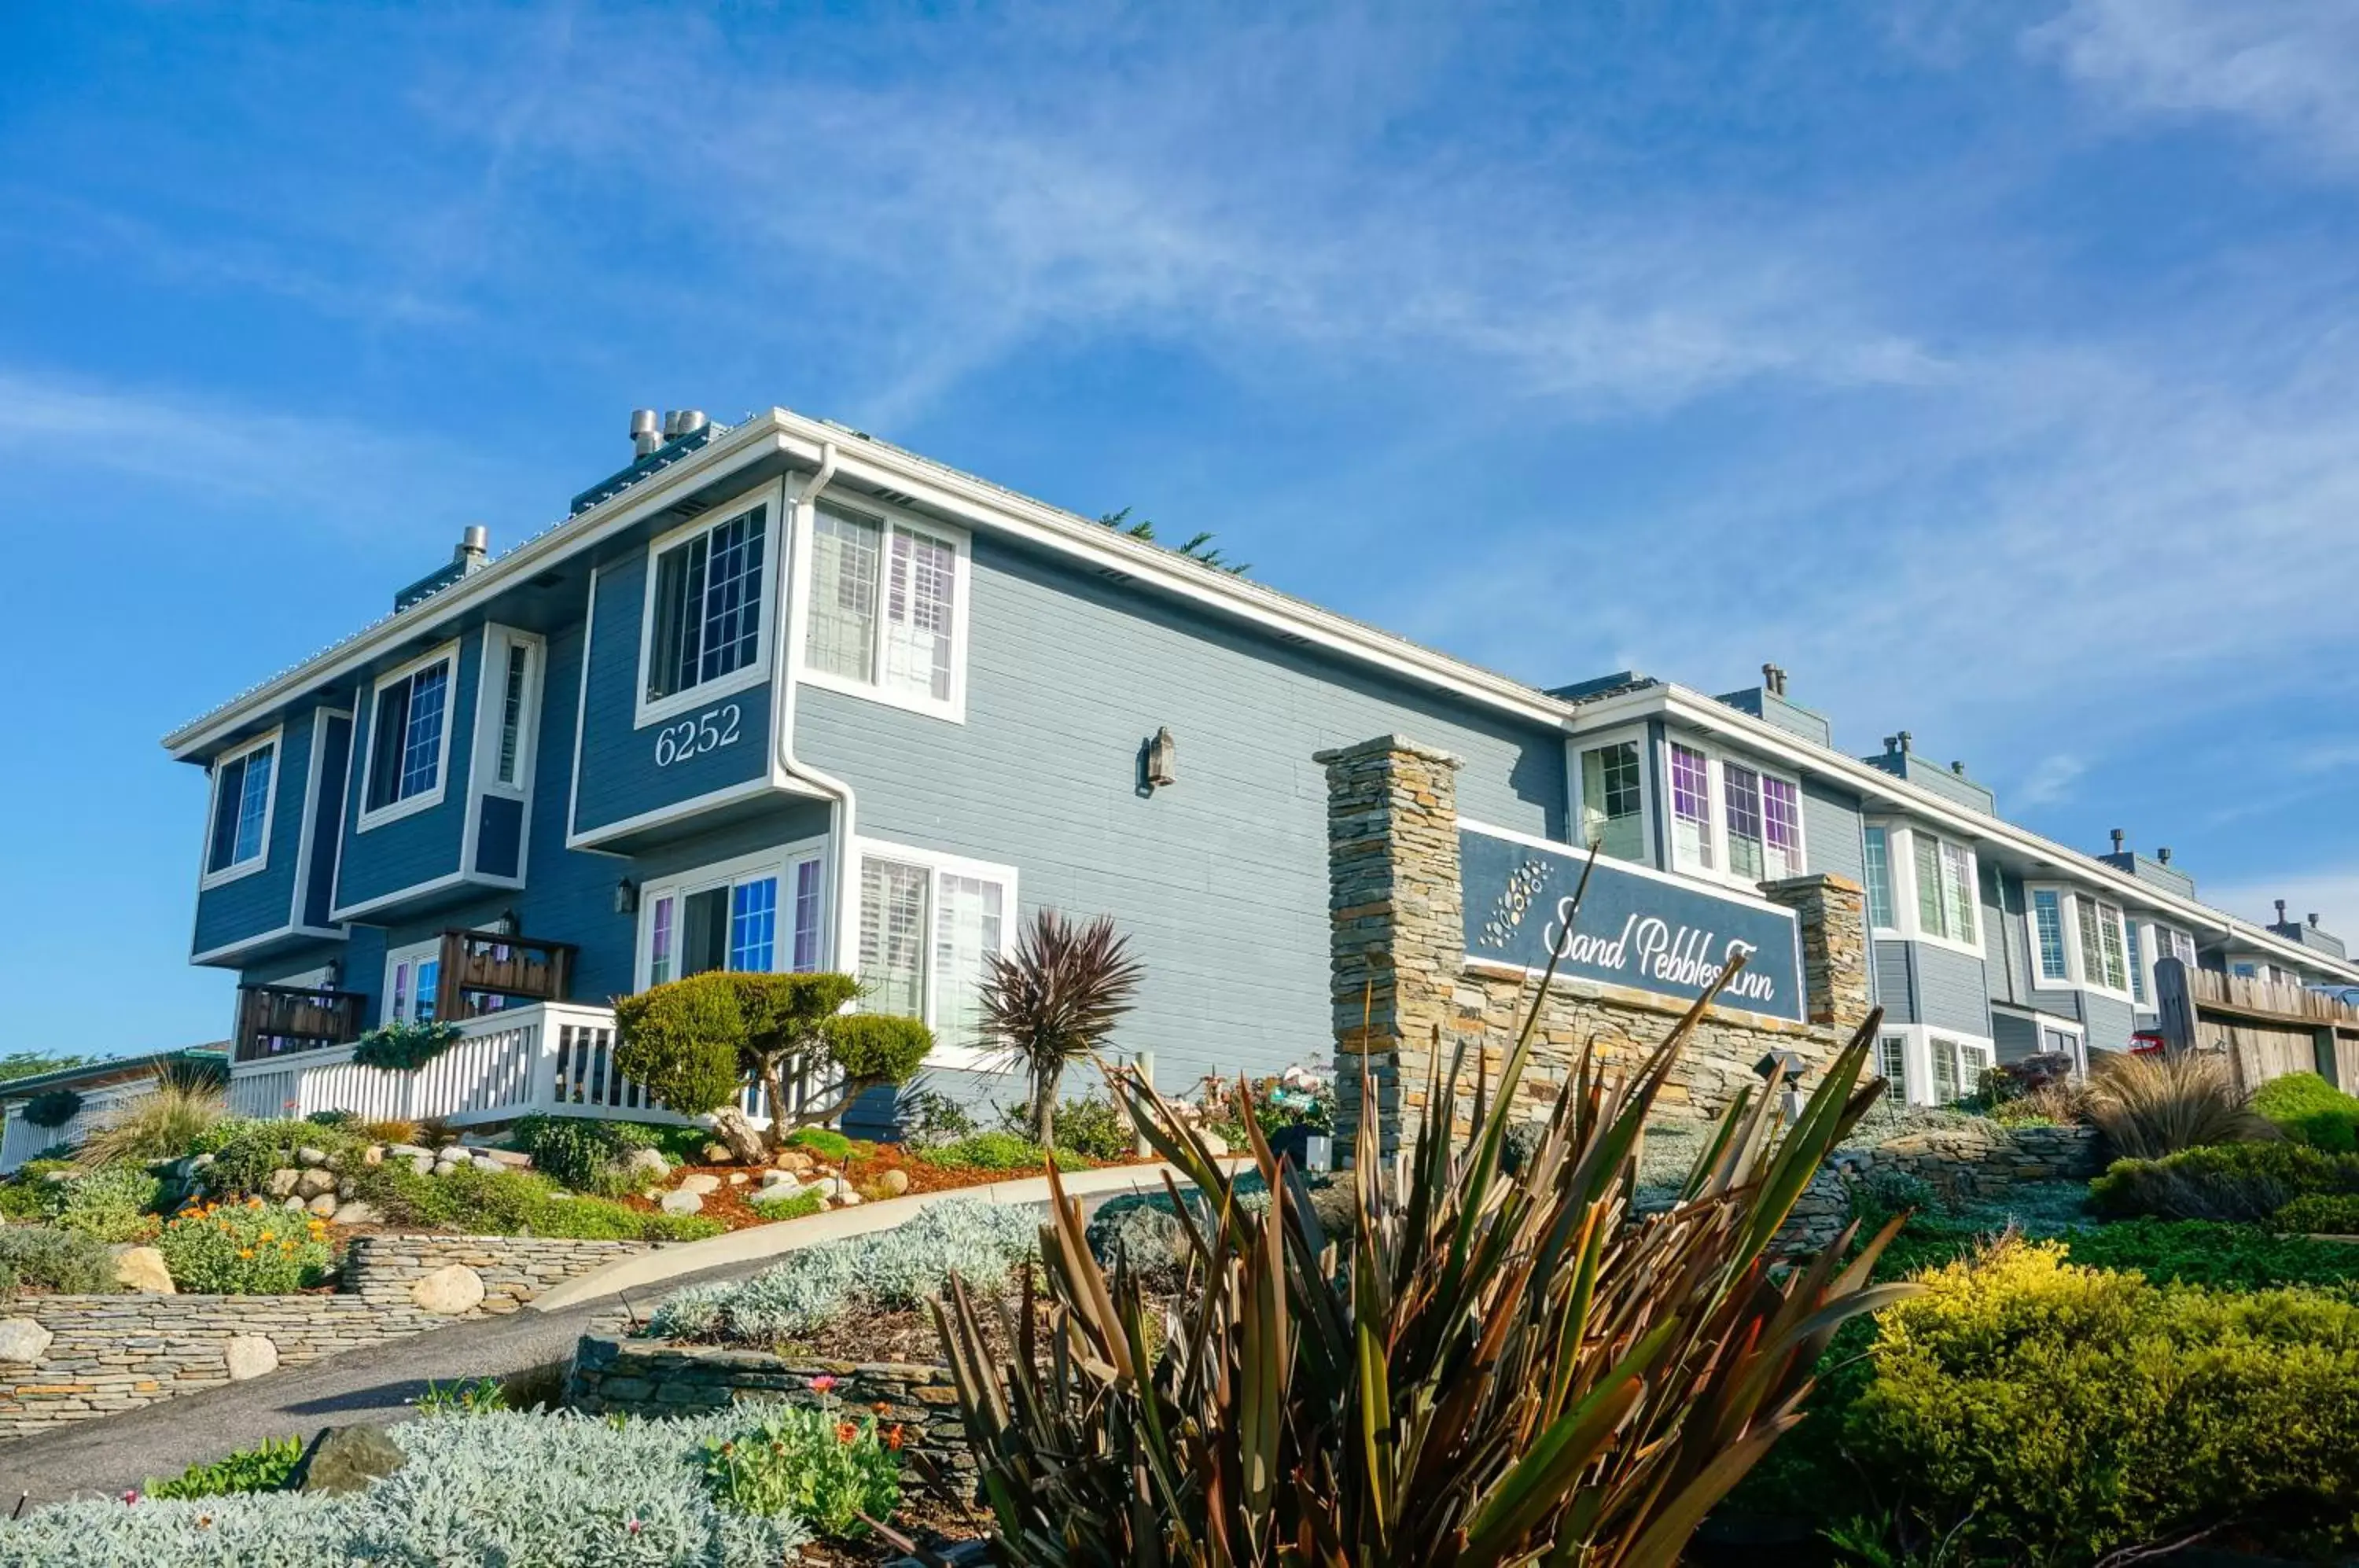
{"x": 1050, "y": 1005}
{"x": 1488, "y": 1370}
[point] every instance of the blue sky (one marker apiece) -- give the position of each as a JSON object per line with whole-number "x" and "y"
{"x": 1993, "y": 368}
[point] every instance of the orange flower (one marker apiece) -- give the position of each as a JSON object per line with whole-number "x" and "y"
{"x": 893, "y": 1438}
{"x": 881, "y": 1408}
{"x": 845, "y": 1432}
{"x": 245, "y": 1252}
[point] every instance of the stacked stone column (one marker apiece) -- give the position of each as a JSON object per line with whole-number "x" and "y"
{"x": 1832, "y": 912}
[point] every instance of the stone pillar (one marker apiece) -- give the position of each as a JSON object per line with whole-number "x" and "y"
{"x": 1832, "y": 911}
{"x": 1397, "y": 936}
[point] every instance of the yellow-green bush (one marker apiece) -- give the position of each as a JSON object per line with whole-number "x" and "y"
{"x": 2308, "y": 1108}
{"x": 2056, "y": 1413}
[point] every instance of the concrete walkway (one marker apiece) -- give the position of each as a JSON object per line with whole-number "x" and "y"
{"x": 376, "y": 1384}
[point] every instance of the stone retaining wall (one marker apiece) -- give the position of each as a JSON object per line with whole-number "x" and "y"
{"x": 1966, "y": 1163}
{"x": 659, "y": 1378}
{"x": 68, "y": 1358}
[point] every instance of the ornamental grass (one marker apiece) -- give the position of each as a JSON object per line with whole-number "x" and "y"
{"x": 1487, "y": 1369}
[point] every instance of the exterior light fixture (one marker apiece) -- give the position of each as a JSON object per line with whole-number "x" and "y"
{"x": 1782, "y": 1071}
{"x": 1162, "y": 760}
{"x": 627, "y": 896}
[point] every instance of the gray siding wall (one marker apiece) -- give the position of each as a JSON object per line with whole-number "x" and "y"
{"x": 263, "y": 900}
{"x": 1896, "y": 987}
{"x": 2007, "y": 958}
{"x": 424, "y": 845}
{"x": 1830, "y": 832}
{"x": 2110, "y": 1022}
{"x": 2013, "y": 1035}
{"x": 619, "y": 778}
{"x": 1220, "y": 879}
{"x": 1950, "y": 989}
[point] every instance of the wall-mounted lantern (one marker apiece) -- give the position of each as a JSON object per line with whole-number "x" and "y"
{"x": 627, "y": 896}
{"x": 1162, "y": 760}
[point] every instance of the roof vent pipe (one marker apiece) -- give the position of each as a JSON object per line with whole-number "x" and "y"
{"x": 2280, "y": 911}
{"x": 1959, "y": 768}
{"x": 2118, "y": 837}
{"x": 690, "y": 421}
{"x": 1906, "y": 739}
{"x": 2163, "y": 854}
{"x": 1774, "y": 678}
{"x": 2313, "y": 920}
{"x": 645, "y": 432}
{"x": 475, "y": 548}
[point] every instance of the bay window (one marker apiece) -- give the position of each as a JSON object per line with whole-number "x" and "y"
{"x": 1690, "y": 808}
{"x": 927, "y": 923}
{"x": 409, "y": 738}
{"x": 2081, "y": 941}
{"x": 760, "y": 913}
{"x": 238, "y": 840}
{"x": 1944, "y": 875}
{"x": 886, "y": 612}
{"x": 2047, "y": 935}
{"x": 1731, "y": 819}
{"x": 1613, "y": 801}
{"x": 1877, "y": 847}
{"x": 707, "y": 588}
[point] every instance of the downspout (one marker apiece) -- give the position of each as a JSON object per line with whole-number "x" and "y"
{"x": 802, "y": 511}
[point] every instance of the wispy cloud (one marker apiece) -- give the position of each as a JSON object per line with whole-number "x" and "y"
{"x": 2049, "y": 780}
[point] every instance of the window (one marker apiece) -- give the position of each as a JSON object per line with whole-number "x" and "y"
{"x": 2104, "y": 954}
{"x": 1690, "y": 807}
{"x": 1958, "y": 881}
{"x": 238, "y": 840}
{"x": 885, "y": 609}
{"x": 1892, "y": 1065}
{"x": 413, "y": 976}
{"x": 2048, "y": 932}
{"x": 1879, "y": 879}
{"x": 1741, "y": 787}
{"x": 726, "y": 916}
{"x": 1781, "y": 816}
{"x": 1944, "y": 877}
{"x": 1958, "y": 1067}
{"x": 2183, "y": 948}
{"x": 926, "y": 925}
{"x": 1613, "y": 801}
{"x": 2137, "y": 962}
{"x": 511, "y": 746}
{"x": 705, "y": 604}
{"x": 409, "y": 738}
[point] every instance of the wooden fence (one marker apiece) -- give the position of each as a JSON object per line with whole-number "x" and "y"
{"x": 2266, "y": 1030}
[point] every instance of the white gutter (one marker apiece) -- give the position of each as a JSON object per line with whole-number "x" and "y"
{"x": 802, "y": 511}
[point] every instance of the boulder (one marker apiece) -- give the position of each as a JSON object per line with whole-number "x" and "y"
{"x": 323, "y": 1205}
{"x": 738, "y": 1178}
{"x": 485, "y": 1162}
{"x": 296, "y": 1205}
{"x": 743, "y": 1139}
{"x": 700, "y": 1182}
{"x": 281, "y": 1184}
{"x": 716, "y": 1154}
{"x": 842, "y": 1187}
{"x": 373, "y": 1155}
{"x": 513, "y": 1159}
{"x": 893, "y": 1183}
{"x": 310, "y": 1158}
{"x": 444, "y": 1167}
{"x": 22, "y": 1340}
{"x": 311, "y": 1184}
{"x": 249, "y": 1356}
{"x": 422, "y": 1162}
{"x": 681, "y": 1203}
{"x": 647, "y": 1162}
{"x": 796, "y": 1161}
{"x": 847, "y": 1198}
{"x": 356, "y": 1213}
{"x": 405, "y": 1150}
{"x": 142, "y": 1269}
{"x": 451, "y": 1290}
{"x": 348, "y": 1458}
{"x": 1215, "y": 1144}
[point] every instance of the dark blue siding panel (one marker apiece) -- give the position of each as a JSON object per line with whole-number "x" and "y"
{"x": 499, "y": 836}
{"x": 327, "y": 815}
{"x": 264, "y": 900}
{"x": 1220, "y": 880}
{"x": 620, "y": 778}
{"x": 420, "y": 847}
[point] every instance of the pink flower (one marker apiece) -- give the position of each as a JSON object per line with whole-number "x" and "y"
{"x": 822, "y": 1382}
{"x": 633, "y": 1526}
{"x": 131, "y": 1495}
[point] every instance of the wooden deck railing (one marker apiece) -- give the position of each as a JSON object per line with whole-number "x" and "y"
{"x": 273, "y": 1021}
{"x": 479, "y": 963}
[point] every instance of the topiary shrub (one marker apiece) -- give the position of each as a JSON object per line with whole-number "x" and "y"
{"x": 54, "y": 1108}
{"x": 2308, "y": 1109}
{"x": 246, "y": 1249}
{"x": 2049, "y": 1413}
{"x": 2222, "y": 1181}
{"x": 402, "y": 1045}
{"x": 65, "y": 1262}
{"x": 693, "y": 1043}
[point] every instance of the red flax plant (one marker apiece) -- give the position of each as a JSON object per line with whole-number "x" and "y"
{"x": 1485, "y": 1370}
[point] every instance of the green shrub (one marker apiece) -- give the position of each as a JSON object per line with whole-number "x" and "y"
{"x": 251, "y": 1151}
{"x": 2217, "y": 1257}
{"x": 1879, "y": 1194}
{"x": 262, "y": 1468}
{"x": 928, "y": 1119}
{"x": 64, "y": 1261}
{"x": 681, "y": 1039}
{"x": 811, "y": 1465}
{"x": 219, "y": 1136}
{"x": 877, "y": 1048}
{"x": 24, "y": 1196}
{"x": 246, "y": 1249}
{"x": 1094, "y": 1126}
{"x": 475, "y": 1201}
{"x": 468, "y": 1397}
{"x": 2057, "y": 1414}
{"x": 2320, "y": 1214}
{"x": 800, "y": 1206}
{"x": 113, "y": 1204}
{"x": 583, "y": 1153}
{"x": 996, "y": 1152}
{"x": 825, "y": 1142}
{"x": 2308, "y": 1108}
{"x": 525, "y": 1491}
{"x": 2222, "y": 1181}
{"x": 403, "y": 1045}
{"x": 52, "y": 1108}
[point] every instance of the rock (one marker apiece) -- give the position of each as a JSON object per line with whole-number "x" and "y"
{"x": 349, "y": 1458}
{"x": 681, "y": 1203}
{"x": 449, "y": 1291}
{"x": 22, "y": 1340}
{"x": 373, "y": 1155}
{"x": 323, "y": 1205}
{"x": 893, "y": 1183}
{"x": 797, "y": 1162}
{"x": 513, "y": 1159}
{"x": 717, "y": 1154}
{"x": 405, "y": 1150}
{"x": 842, "y": 1187}
{"x": 249, "y": 1356}
{"x": 57, "y": 1175}
{"x": 281, "y": 1184}
{"x": 444, "y": 1167}
{"x": 847, "y": 1198}
{"x": 199, "y": 1161}
{"x": 355, "y": 1212}
{"x": 700, "y": 1182}
{"x": 738, "y": 1178}
{"x": 647, "y": 1162}
{"x": 142, "y": 1269}
{"x": 311, "y": 1183}
{"x": 485, "y": 1162}
{"x": 422, "y": 1163}
{"x": 1215, "y": 1144}
{"x": 744, "y": 1140}
{"x": 310, "y": 1158}
{"x": 296, "y": 1205}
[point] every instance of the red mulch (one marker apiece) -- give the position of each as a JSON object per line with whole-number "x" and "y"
{"x": 729, "y": 1204}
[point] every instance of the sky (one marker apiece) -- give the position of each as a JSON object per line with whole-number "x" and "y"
{"x": 1993, "y": 368}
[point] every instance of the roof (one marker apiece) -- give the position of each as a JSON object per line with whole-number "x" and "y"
{"x": 107, "y": 1069}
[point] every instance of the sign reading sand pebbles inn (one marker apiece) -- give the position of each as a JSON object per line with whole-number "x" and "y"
{"x": 1636, "y": 927}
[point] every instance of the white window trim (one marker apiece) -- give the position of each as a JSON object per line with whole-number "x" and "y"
{"x": 491, "y": 707}
{"x": 1635, "y": 734}
{"x": 756, "y": 669}
{"x": 960, "y": 1058}
{"x": 2041, "y": 1022}
{"x": 1918, "y": 1052}
{"x": 780, "y": 862}
{"x": 1716, "y": 761}
{"x": 1900, "y": 867}
{"x": 412, "y": 953}
{"x": 962, "y": 596}
{"x": 1891, "y": 879}
{"x": 425, "y": 800}
{"x": 2067, "y": 899}
{"x": 237, "y": 869}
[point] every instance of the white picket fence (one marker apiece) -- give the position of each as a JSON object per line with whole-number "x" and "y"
{"x": 21, "y": 1140}
{"x": 551, "y": 1057}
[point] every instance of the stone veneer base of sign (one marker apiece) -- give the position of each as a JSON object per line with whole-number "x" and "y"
{"x": 100, "y": 1354}
{"x": 661, "y": 1378}
{"x": 1401, "y": 983}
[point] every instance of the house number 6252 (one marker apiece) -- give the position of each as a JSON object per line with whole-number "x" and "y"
{"x": 709, "y": 731}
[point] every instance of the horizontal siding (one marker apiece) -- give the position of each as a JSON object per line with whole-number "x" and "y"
{"x": 1830, "y": 832}
{"x": 1896, "y": 987}
{"x": 2007, "y": 964}
{"x": 263, "y": 900}
{"x": 2110, "y": 1022}
{"x": 2015, "y": 1037}
{"x": 1220, "y": 879}
{"x": 424, "y": 845}
{"x": 1951, "y": 990}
